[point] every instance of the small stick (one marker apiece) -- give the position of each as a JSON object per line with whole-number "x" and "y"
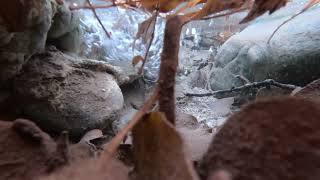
{"x": 99, "y": 20}
{"x": 232, "y": 92}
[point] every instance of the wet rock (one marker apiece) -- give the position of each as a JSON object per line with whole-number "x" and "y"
{"x": 268, "y": 140}
{"x": 59, "y": 93}
{"x": 291, "y": 57}
{"x": 23, "y": 32}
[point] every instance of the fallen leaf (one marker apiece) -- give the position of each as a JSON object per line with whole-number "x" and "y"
{"x": 188, "y": 5}
{"x": 158, "y": 151}
{"x": 215, "y": 6}
{"x": 145, "y": 29}
{"x": 164, "y": 5}
{"x": 136, "y": 60}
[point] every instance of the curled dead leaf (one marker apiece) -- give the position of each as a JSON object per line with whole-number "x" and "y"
{"x": 145, "y": 29}
{"x": 158, "y": 151}
{"x": 261, "y": 6}
{"x": 215, "y": 6}
{"x": 136, "y": 60}
{"x": 164, "y": 5}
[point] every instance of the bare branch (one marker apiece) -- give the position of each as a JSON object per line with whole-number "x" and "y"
{"x": 99, "y": 20}
{"x": 246, "y": 88}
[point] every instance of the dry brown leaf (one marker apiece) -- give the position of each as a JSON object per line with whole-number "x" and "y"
{"x": 215, "y": 6}
{"x": 190, "y": 4}
{"x": 158, "y": 151}
{"x": 145, "y": 29}
{"x": 164, "y": 6}
{"x": 262, "y": 6}
{"x": 136, "y": 60}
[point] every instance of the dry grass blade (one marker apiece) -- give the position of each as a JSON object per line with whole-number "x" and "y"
{"x": 158, "y": 151}
{"x": 309, "y": 5}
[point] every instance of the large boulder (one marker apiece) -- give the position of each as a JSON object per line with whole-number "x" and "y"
{"x": 292, "y": 56}
{"x": 24, "y": 25}
{"x": 62, "y": 93}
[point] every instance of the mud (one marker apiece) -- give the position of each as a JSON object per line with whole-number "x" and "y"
{"x": 24, "y": 150}
{"x": 274, "y": 139}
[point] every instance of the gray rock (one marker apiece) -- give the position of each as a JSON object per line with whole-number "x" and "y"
{"x": 59, "y": 93}
{"x": 64, "y": 21}
{"x": 70, "y": 42}
{"x": 17, "y": 47}
{"x": 65, "y": 32}
{"x": 292, "y": 56}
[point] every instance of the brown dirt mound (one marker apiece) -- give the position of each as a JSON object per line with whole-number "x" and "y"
{"x": 92, "y": 169}
{"x": 24, "y": 150}
{"x": 277, "y": 139}
{"x": 311, "y": 91}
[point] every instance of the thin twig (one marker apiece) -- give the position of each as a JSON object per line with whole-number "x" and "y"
{"x": 100, "y": 22}
{"x": 113, "y": 145}
{"x": 78, "y": 7}
{"x": 309, "y": 5}
{"x": 246, "y": 88}
{"x": 150, "y": 42}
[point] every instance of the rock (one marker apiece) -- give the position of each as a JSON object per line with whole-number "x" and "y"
{"x": 291, "y": 57}
{"x": 64, "y": 21}
{"x": 60, "y": 93}
{"x": 272, "y": 92}
{"x": 199, "y": 78}
{"x": 311, "y": 91}
{"x": 65, "y": 32}
{"x": 70, "y": 42}
{"x": 268, "y": 140}
{"x": 23, "y": 34}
